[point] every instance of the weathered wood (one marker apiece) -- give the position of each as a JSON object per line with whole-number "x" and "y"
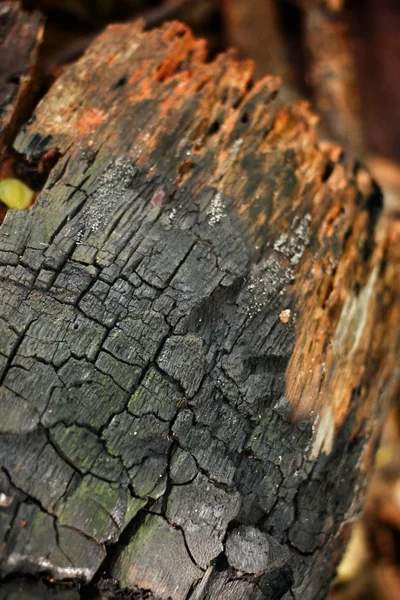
{"x": 199, "y": 332}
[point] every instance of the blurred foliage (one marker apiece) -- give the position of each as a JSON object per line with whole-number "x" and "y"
{"x": 15, "y": 194}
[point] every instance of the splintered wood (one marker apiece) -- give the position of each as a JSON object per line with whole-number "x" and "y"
{"x": 198, "y": 333}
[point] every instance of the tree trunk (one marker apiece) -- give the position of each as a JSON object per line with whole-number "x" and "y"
{"x": 199, "y": 333}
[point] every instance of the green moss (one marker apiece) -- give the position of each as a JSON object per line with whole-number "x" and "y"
{"x": 156, "y": 395}
{"x": 141, "y": 540}
{"x": 78, "y": 444}
{"x": 90, "y": 507}
{"x": 134, "y": 506}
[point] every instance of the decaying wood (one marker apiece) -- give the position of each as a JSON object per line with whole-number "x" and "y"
{"x": 198, "y": 333}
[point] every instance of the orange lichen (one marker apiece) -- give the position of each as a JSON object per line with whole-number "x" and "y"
{"x": 90, "y": 120}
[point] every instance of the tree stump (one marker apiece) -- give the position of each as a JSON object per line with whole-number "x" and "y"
{"x": 198, "y": 335}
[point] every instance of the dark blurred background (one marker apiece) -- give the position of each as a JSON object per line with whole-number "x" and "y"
{"x": 344, "y": 57}
{"x": 282, "y": 36}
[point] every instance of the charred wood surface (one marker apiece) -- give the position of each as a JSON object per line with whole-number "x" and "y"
{"x": 198, "y": 334}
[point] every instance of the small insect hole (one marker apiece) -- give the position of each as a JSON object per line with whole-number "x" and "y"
{"x": 120, "y": 83}
{"x": 267, "y": 132}
{"x": 214, "y": 128}
{"x": 328, "y": 170}
{"x": 348, "y": 234}
{"x": 328, "y": 292}
{"x": 273, "y": 95}
{"x": 249, "y": 85}
{"x": 357, "y": 167}
{"x": 221, "y": 563}
{"x": 245, "y": 118}
{"x": 201, "y": 85}
{"x": 183, "y": 170}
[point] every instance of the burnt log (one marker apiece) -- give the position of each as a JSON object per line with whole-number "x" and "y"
{"x": 198, "y": 334}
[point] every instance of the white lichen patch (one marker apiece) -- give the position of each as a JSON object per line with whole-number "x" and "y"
{"x": 112, "y": 188}
{"x": 106, "y": 199}
{"x": 266, "y": 283}
{"x": 292, "y": 246}
{"x": 172, "y": 215}
{"x": 216, "y": 210}
{"x": 236, "y": 147}
{"x": 79, "y": 237}
{"x": 281, "y": 242}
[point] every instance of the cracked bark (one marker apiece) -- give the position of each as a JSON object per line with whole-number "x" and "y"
{"x": 199, "y": 334}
